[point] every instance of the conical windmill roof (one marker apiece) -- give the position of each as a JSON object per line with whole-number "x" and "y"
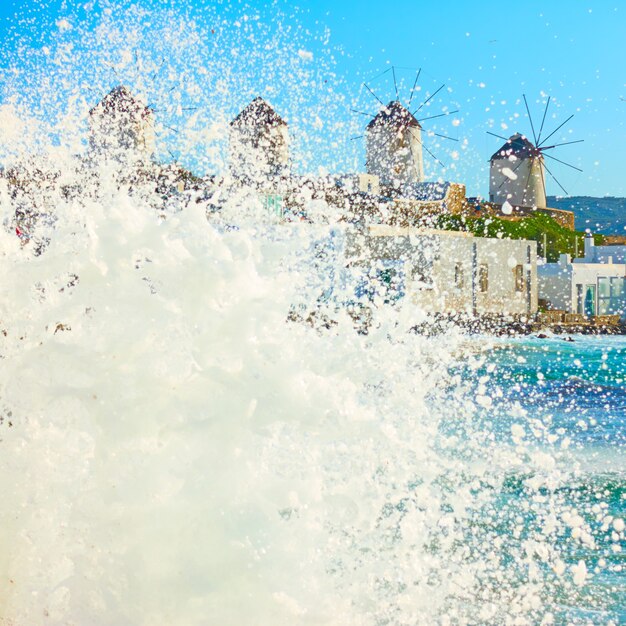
{"x": 394, "y": 115}
{"x": 120, "y": 99}
{"x": 518, "y": 145}
{"x": 258, "y": 113}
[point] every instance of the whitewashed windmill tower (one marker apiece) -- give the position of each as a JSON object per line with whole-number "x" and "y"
{"x": 393, "y": 143}
{"x": 394, "y": 139}
{"x": 259, "y": 144}
{"x": 517, "y": 172}
{"x": 122, "y": 127}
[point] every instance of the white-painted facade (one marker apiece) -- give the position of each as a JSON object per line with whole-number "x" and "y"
{"x": 602, "y": 254}
{"x": 450, "y": 272}
{"x": 587, "y": 288}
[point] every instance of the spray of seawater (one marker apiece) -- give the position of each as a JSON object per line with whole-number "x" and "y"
{"x": 179, "y": 448}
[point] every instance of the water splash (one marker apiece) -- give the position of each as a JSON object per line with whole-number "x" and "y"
{"x": 175, "y": 450}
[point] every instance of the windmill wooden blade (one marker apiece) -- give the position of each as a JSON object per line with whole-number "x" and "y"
{"x": 395, "y": 84}
{"x": 362, "y": 113}
{"x": 556, "y": 129}
{"x": 375, "y": 96}
{"x": 566, "y": 143}
{"x": 381, "y": 74}
{"x": 428, "y": 99}
{"x": 159, "y": 68}
{"x": 444, "y": 136}
{"x": 427, "y": 150}
{"x": 555, "y": 179}
{"x": 413, "y": 88}
{"x": 432, "y": 117}
{"x": 532, "y": 126}
{"x": 544, "y": 119}
{"x": 498, "y": 136}
{"x": 564, "y": 163}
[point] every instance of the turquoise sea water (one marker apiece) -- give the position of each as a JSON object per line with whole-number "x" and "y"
{"x": 569, "y": 397}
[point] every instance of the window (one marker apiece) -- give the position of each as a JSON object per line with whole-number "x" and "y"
{"x": 458, "y": 276}
{"x": 579, "y": 300}
{"x": 519, "y": 278}
{"x": 611, "y": 295}
{"x": 273, "y": 204}
{"x": 389, "y": 280}
{"x": 590, "y": 300}
{"x": 483, "y": 278}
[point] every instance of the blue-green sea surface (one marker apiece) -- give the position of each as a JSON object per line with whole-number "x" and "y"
{"x": 558, "y": 406}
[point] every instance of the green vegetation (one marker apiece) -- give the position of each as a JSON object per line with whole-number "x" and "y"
{"x": 540, "y": 227}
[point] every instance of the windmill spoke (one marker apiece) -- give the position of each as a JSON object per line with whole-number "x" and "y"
{"x": 498, "y": 136}
{"x": 357, "y": 137}
{"x": 564, "y": 163}
{"x": 567, "y": 143}
{"x": 432, "y": 117}
{"x": 532, "y": 126}
{"x": 395, "y": 84}
{"x": 427, "y": 150}
{"x": 363, "y": 113}
{"x": 413, "y": 88}
{"x": 428, "y": 99}
{"x": 381, "y": 74}
{"x": 440, "y": 135}
{"x": 375, "y": 96}
{"x": 159, "y": 68}
{"x": 111, "y": 67}
{"x": 559, "y": 127}
{"x": 555, "y": 179}
{"x": 544, "y": 119}
{"x": 513, "y": 170}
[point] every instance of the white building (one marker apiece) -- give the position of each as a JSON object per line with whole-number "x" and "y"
{"x": 122, "y": 127}
{"x": 516, "y": 174}
{"x": 602, "y": 254}
{"x": 259, "y": 144}
{"x": 448, "y": 271}
{"x": 393, "y": 141}
{"x": 593, "y": 285}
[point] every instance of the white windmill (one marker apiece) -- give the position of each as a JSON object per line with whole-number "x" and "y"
{"x": 122, "y": 127}
{"x": 394, "y": 140}
{"x": 518, "y": 168}
{"x": 259, "y": 143}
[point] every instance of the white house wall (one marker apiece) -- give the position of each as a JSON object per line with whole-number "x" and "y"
{"x": 430, "y": 265}
{"x": 558, "y": 281}
{"x": 555, "y": 285}
{"x": 395, "y": 156}
{"x": 604, "y": 253}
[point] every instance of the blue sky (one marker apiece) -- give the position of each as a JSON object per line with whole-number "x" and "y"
{"x": 487, "y": 53}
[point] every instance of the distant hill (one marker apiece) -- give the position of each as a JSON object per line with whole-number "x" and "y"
{"x": 601, "y": 215}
